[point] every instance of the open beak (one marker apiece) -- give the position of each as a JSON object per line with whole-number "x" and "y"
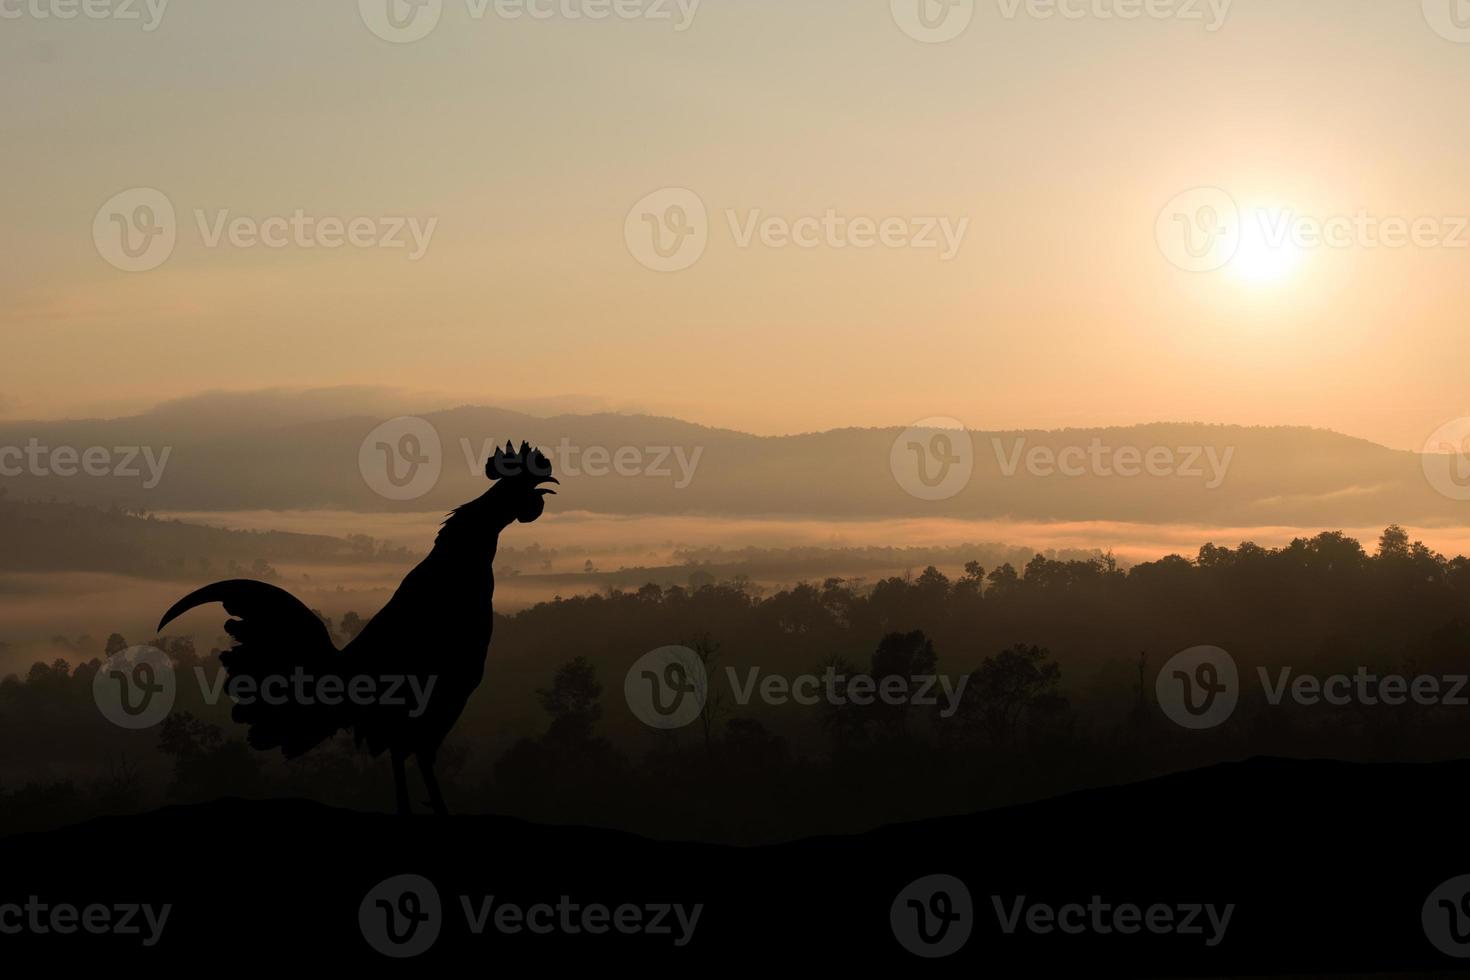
{"x": 549, "y": 479}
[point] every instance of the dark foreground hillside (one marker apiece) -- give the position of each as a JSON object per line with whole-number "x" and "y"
{"x": 1261, "y": 867}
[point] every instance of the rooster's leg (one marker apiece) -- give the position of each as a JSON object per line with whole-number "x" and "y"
{"x": 400, "y": 784}
{"x": 431, "y": 782}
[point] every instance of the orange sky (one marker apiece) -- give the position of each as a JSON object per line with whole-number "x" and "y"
{"x": 522, "y": 146}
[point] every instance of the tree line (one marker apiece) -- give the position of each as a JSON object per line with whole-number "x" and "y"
{"x": 1058, "y": 660}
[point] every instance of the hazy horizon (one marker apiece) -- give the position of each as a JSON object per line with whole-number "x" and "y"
{"x": 1039, "y": 155}
{"x": 316, "y": 403}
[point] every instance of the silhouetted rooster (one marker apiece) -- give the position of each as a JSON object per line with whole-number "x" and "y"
{"x": 434, "y": 631}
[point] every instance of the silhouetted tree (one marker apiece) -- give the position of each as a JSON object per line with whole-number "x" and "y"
{"x": 1008, "y": 688}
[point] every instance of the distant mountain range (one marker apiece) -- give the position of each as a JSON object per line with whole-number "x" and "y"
{"x": 65, "y": 537}
{"x": 242, "y": 452}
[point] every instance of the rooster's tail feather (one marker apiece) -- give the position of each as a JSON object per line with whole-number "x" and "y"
{"x": 277, "y": 640}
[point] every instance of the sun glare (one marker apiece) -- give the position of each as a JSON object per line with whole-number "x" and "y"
{"x": 1264, "y": 256}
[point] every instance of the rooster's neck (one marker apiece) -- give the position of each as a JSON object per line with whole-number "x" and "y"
{"x": 476, "y": 525}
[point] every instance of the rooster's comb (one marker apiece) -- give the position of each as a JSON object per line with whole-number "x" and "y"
{"x": 512, "y": 462}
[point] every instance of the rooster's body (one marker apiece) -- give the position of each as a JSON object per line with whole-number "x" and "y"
{"x": 420, "y": 657}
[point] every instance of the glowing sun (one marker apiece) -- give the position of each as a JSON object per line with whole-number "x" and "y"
{"x": 1265, "y": 255}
